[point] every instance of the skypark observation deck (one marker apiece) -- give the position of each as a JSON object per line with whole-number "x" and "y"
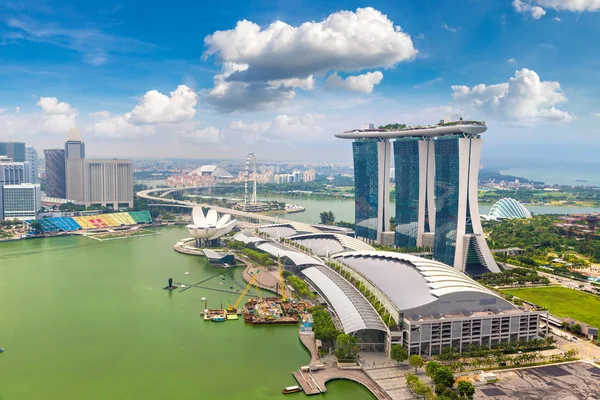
{"x": 467, "y": 128}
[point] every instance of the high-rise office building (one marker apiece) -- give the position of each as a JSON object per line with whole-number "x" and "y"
{"x": 436, "y": 172}
{"x": 31, "y": 156}
{"x": 96, "y": 182}
{"x": 13, "y": 150}
{"x": 14, "y": 173}
{"x": 74, "y": 156}
{"x": 108, "y": 182}
{"x": 55, "y": 173}
{"x": 22, "y": 201}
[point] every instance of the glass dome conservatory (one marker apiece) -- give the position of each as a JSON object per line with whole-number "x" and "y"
{"x": 508, "y": 209}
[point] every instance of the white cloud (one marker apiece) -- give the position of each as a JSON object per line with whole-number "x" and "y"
{"x": 511, "y": 61}
{"x": 51, "y": 105}
{"x": 596, "y": 114}
{"x": 537, "y": 7}
{"x": 361, "y": 83}
{"x": 2, "y": 110}
{"x": 157, "y": 107}
{"x": 524, "y": 99}
{"x": 208, "y": 135}
{"x": 100, "y": 114}
{"x": 570, "y": 5}
{"x": 262, "y": 67}
{"x": 254, "y": 127}
{"x": 55, "y": 117}
{"x": 120, "y": 127}
{"x": 449, "y": 28}
{"x": 521, "y": 7}
{"x": 282, "y": 127}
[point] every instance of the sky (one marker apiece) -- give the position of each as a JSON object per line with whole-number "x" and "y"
{"x": 197, "y": 79}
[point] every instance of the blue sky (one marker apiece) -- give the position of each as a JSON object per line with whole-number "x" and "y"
{"x": 154, "y": 79}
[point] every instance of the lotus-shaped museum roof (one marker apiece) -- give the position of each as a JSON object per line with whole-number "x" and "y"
{"x": 209, "y": 226}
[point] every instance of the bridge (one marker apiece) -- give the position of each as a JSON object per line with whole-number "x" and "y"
{"x": 151, "y": 194}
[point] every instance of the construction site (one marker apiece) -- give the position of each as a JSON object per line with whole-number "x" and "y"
{"x": 261, "y": 310}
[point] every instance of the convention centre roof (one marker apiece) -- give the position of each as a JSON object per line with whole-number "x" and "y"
{"x": 352, "y": 309}
{"x": 411, "y": 282}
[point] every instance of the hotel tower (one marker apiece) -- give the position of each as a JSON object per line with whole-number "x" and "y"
{"x": 436, "y": 170}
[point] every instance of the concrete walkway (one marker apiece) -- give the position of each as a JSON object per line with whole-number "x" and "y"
{"x": 315, "y": 382}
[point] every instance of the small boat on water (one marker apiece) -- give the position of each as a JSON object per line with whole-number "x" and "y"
{"x": 291, "y": 389}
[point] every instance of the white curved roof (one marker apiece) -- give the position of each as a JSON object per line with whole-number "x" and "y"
{"x": 508, "y": 208}
{"x": 352, "y": 309}
{"x": 280, "y": 251}
{"x": 411, "y": 281}
{"x": 324, "y": 244}
{"x": 212, "y": 170}
{"x": 209, "y": 226}
{"x": 247, "y": 237}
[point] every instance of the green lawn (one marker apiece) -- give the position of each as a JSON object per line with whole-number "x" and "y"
{"x": 563, "y": 302}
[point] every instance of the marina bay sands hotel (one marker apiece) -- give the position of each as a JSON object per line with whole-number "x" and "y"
{"x": 436, "y": 170}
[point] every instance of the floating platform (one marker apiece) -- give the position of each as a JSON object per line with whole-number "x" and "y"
{"x": 214, "y": 315}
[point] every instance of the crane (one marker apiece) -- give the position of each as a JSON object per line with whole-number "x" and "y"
{"x": 233, "y": 308}
{"x": 281, "y": 280}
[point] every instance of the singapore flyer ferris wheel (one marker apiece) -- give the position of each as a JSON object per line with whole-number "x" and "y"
{"x": 250, "y": 174}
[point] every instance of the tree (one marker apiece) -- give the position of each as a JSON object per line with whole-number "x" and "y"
{"x": 398, "y": 353}
{"x": 36, "y": 226}
{"x": 327, "y": 218}
{"x": 431, "y": 368}
{"x": 466, "y": 389}
{"x": 346, "y": 347}
{"x": 416, "y": 361}
{"x": 444, "y": 376}
{"x": 576, "y": 329}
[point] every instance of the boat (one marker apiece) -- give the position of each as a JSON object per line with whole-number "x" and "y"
{"x": 218, "y": 319}
{"x": 291, "y": 389}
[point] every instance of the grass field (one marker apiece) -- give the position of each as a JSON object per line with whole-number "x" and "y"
{"x": 563, "y": 302}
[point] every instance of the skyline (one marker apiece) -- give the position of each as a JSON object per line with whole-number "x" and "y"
{"x": 201, "y": 82}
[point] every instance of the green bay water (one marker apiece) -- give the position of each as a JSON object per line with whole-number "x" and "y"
{"x": 84, "y": 319}
{"x": 343, "y": 209}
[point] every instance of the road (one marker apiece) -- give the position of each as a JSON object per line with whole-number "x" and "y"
{"x": 147, "y": 194}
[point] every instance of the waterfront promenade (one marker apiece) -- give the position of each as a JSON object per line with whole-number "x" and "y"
{"x": 315, "y": 382}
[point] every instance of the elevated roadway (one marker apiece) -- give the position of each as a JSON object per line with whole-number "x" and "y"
{"x": 156, "y": 195}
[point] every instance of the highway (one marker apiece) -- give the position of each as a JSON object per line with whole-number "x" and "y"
{"x": 150, "y": 194}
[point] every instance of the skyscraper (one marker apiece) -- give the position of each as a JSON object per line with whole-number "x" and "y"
{"x": 55, "y": 173}
{"x": 436, "y": 171}
{"x": 371, "y": 182}
{"x": 74, "y": 155}
{"x": 13, "y": 150}
{"x": 108, "y": 182}
{"x": 96, "y": 182}
{"x": 31, "y": 156}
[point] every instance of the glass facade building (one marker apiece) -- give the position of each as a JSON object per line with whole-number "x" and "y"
{"x": 13, "y": 150}
{"x": 55, "y": 173}
{"x": 406, "y": 162}
{"x": 366, "y": 181}
{"x": 447, "y": 176}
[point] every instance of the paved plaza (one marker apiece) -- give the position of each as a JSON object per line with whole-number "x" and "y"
{"x": 572, "y": 381}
